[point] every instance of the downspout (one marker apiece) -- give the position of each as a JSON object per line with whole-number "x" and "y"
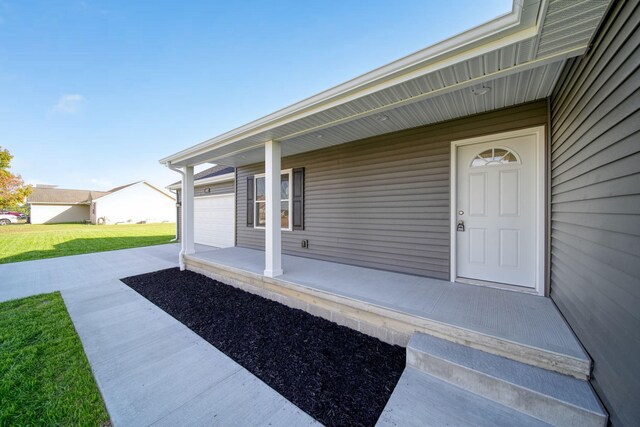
{"x": 181, "y": 255}
{"x": 175, "y": 239}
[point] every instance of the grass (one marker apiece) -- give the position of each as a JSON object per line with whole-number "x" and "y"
{"x": 45, "y": 378}
{"x": 24, "y": 242}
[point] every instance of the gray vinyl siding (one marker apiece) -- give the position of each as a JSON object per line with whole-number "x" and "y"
{"x": 595, "y": 208}
{"x": 382, "y": 202}
{"x": 214, "y": 189}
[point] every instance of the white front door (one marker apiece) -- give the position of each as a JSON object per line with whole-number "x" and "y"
{"x": 497, "y": 227}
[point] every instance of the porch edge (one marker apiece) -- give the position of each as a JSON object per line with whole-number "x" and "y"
{"x": 384, "y": 323}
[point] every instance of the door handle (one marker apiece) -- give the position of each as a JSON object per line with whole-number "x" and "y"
{"x": 460, "y": 225}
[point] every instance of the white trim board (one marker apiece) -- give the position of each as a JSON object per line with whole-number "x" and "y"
{"x": 58, "y": 203}
{"x": 255, "y": 180}
{"x": 541, "y": 287}
{"x": 211, "y": 196}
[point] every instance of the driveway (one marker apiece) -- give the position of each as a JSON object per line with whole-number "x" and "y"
{"x": 150, "y": 368}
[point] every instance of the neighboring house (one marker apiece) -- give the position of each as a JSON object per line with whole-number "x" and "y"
{"x": 506, "y": 156}
{"x": 50, "y": 205}
{"x": 133, "y": 203}
{"x": 214, "y": 207}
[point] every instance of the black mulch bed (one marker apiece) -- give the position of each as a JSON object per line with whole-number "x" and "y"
{"x": 337, "y": 375}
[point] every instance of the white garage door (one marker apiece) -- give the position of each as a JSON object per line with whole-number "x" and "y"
{"x": 215, "y": 220}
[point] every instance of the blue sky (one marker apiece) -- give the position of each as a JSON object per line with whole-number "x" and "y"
{"x": 93, "y": 93}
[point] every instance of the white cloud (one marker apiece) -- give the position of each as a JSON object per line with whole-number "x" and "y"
{"x": 69, "y": 104}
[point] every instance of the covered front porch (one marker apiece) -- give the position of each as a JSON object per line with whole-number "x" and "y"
{"x": 355, "y": 202}
{"x": 392, "y": 306}
{"x": 504, "y": 67}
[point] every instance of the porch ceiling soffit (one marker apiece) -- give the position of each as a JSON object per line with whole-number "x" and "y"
{"x": 520, "y": 64}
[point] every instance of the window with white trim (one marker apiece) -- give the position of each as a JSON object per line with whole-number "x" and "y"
{"x": 260, "y": 203}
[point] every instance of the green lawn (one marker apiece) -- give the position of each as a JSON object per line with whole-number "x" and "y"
{"x": 45, "y": 378}
{"x": 23, "y": 242}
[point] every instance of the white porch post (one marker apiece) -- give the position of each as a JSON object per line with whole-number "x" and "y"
{"x": 273, "y": 235}
{"x": 188, "y": 246}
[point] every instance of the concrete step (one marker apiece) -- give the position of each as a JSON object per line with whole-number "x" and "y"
{"x": 548, "y": 396}
{"x": 422, "y": 400}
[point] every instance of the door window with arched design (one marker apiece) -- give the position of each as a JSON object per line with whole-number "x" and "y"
{"x": 494, "y": 157}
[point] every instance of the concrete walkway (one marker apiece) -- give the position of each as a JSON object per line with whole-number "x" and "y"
{"x": 21, "y": 279}
{"x": 151, "y": 369}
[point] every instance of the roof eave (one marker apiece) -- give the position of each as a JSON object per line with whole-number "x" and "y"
{"x": 388, "y": 75}
{"x": 205, "y": 181}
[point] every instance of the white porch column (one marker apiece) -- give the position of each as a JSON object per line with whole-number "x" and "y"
{"x": 273, "y": 235}
{"x": 188, "y": 246}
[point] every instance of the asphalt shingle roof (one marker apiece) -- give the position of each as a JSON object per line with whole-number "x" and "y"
{"x": 63, "y": 195}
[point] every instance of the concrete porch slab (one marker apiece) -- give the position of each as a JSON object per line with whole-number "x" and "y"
{"x": 504, "y": 317}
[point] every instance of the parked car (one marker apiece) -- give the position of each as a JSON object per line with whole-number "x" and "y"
{"x": 6, "y": 219}
{"x": 20, "y": 215}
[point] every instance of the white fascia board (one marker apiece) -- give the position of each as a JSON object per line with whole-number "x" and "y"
{"x": 170, "y": 196}
{"x": 563, "y": 56}
{"x": 206, "y": 181}
{"x": 57, "y": 203}
{"x": 556, "y": 57}
{"x": 161, "y": 191}
{"x": 499, "y": 32}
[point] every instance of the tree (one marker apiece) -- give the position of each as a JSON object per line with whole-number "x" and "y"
{"x": 13, "y": 191}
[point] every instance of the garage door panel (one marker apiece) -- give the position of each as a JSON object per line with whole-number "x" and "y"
{"x": 215, "y": 221}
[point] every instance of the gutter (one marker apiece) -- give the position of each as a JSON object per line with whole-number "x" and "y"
{"x": 205, "y": 181}
{"x": 181, "y": 254}
{"x": 59, "y": 203}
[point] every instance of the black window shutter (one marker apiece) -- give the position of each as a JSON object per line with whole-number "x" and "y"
{"x": 250, "y": 196}
{"x": 298, "y": 199}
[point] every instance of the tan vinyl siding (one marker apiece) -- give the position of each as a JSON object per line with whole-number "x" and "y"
{"x": 382, "y": 202}
{"x": 58, "y": 213}
{"x": 595, "y": 222}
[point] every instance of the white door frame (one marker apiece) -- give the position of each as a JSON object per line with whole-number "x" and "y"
{"x": 539, "y": 133}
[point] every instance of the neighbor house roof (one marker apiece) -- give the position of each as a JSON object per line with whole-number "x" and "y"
{"x": 64, "y": 195}
{"x": 218, "y": 171}
{"x": 44, "y": 195}
{"x": 513, "y": 59}
{"x": 113, "y": 190}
